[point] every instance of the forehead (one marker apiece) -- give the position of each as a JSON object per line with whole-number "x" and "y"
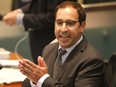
{"x": 67, "y": 13}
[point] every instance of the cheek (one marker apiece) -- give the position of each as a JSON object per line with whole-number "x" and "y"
{"x": 56, "y": 32}
{"x": 76, "y": 34}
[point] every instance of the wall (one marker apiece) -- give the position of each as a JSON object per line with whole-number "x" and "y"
{"x": 101, "y": 27}
{"x": 5, "y": 6}
{"x": 101, "y": 15}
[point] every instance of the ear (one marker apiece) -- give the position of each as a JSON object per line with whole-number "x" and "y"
{"x": 83, "y": 25}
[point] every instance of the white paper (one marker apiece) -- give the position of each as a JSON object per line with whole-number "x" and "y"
{"x": 10, "y": 63}
{"x": 4, "y": 54}
{"x": 10, "y": 75}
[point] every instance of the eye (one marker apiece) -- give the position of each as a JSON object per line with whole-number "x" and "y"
{"x": 70, "y": 23}
{"x": 59, "y": 22}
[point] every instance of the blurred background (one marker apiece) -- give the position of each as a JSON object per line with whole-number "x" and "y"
{"x": 100, "y": 30}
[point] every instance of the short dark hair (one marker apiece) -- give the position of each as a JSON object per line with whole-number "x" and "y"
{"x": 76, "y": 5}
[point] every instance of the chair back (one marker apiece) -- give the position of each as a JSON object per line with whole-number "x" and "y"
{"x": 110, "y": 71}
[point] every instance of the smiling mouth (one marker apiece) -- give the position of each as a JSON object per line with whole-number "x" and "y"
{"x": 64, "y": 38}
{"x": 61, "y": 36}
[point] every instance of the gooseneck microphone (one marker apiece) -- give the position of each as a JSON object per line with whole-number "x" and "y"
{"x": 1, "y": 17}
{"x": 1, "y": 67}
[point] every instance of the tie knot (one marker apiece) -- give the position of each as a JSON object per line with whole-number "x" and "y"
{"x": 61, "y": 52}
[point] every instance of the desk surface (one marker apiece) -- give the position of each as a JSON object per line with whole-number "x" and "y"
{"x": 13, "y": 56}
{"x": 16, "y": 84}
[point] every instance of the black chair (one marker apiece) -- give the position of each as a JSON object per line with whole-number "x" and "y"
{"x": 110, "y": 71}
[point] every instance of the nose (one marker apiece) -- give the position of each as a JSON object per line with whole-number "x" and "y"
{"x": 64, "y": 28}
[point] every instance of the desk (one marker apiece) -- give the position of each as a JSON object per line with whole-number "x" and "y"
{"x": 13, "y": 56}
{"x": 15, "y": 84}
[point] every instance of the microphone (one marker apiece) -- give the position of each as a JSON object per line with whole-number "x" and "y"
{"x": 1, "y": 67}
{"x": 1, "y": 17}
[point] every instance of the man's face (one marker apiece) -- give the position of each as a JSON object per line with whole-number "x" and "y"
{"x": 67, "y": 27}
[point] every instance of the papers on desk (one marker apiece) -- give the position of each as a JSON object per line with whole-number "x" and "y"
{"x": 10, "y": 72}
{"x": 4, "y": 54}
{"x": 11, "y": 75}
{"x": 9, "y": 63}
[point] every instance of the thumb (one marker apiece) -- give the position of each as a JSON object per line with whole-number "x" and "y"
{"x": 41, "y": 62}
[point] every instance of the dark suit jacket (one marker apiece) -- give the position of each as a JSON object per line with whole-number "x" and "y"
{"x": 83, "y": 67}
{"x": 19, "y": 3}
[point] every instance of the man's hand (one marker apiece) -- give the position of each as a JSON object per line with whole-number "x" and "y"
{"x": 11, "y": 17}
{"x": 32, "y": 71}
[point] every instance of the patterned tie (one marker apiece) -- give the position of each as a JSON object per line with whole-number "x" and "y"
{"x": 58, "y": 63}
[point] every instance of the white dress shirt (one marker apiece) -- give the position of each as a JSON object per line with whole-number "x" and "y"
{"x": 19, "y": 19}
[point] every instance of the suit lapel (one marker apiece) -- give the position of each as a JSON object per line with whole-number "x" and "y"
{"x": 50, "y": 61}
{"x": 51, "y": 64}
{"x": 72, "y": 57}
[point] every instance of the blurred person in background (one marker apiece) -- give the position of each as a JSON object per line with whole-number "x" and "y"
{"x": 19, "y": 3}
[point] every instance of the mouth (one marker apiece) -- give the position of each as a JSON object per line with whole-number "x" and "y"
{"x": 64, "y": 37}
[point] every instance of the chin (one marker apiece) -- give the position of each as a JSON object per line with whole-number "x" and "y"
{"x": 64, "y": 45}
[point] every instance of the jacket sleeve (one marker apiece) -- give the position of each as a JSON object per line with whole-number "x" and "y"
{"x": 26, "y": 83}
{"x": 44, "y": 18}
{"x": 26, "y": 8}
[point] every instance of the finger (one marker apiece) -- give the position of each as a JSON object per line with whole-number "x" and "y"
{"x": 27, "y": 74}
{"x": 29, "y": 63}
{"x": 23, "y": 67}
{"x": 33, "y": 75}
{"x": 8, "y": 22}
{"x": 41, "y": 62}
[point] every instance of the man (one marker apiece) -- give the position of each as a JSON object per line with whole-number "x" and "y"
{"x": 37, "y": 17}
{"x": 82, "y": 66}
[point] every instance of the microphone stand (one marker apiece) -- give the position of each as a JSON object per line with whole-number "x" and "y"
{"x": 1, "y": 67}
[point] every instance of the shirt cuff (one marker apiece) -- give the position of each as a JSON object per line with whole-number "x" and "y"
{"x": 32, "y": 84}
{"x": 20, "y": 18}
{"x": 40, "y": 81}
